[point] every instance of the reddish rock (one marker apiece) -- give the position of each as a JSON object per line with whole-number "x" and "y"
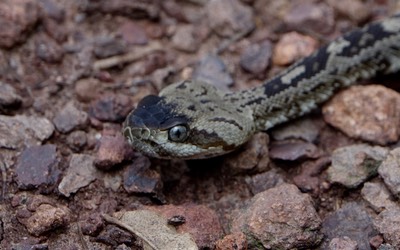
{"x": 291, "y": 47}
{"x": 378, "y": 196}
{"x": 77, "y": 140}
{"x": 292, "y": 150}
{"x": 344, "y": 243}
{"x": 370, "y": 113}
{"x": 186, "y": 39}
{"x": 87, "y": 89}
{"x": 112, "y": 151}
{"x": 201, "y": 222}
{"x": 306, "y": 129}
{"x": 358, "y": 11}
{"x": 388, "y": 224}
{"x": 132, "y": 33}
{"x": 256, "y": 57}
{"x": 236, "y": 241}
{"x": 92, "y": 225}
{"x": 263, "y": 181}
{"x": 279, "y": 223}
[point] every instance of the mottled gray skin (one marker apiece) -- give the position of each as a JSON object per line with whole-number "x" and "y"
{"x": 192, "y": 120}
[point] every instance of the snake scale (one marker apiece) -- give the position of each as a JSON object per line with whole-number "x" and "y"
{"x": 192, "y": 119}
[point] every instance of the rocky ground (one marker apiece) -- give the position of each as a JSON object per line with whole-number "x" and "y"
{"x": 72, "y": 70}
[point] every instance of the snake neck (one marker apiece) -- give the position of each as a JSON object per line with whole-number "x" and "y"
{"x": 359, "y": 55}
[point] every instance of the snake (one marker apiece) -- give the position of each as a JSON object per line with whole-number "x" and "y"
{"x": 191, "y": 119}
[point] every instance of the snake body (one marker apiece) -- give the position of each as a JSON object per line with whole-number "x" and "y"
{"x": 192, "y": 119}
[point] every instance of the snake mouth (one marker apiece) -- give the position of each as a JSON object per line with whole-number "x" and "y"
{"x": 134, "y": 134}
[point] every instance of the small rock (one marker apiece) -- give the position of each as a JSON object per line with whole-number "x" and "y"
{"x": 8, "y": 97}
{"x": 132, "y": 33}
{"x": 139, "y": 178}
{"x": 70, "y": 118}
{"x": 185, "y": 39}
{"x": 36, "y": 130}
{"x": 235, "y": 241}
{"x": 291, "y": 47}
{"x": 77, "y": 140}
{"x": 211, "y": 69}
{"x": 80, "y": 173}
{"x": 376, "y": 241}
{"x": 46, "y": 218}
{"x": 111, "y": 108}
{"x": 18, "y": 17}
{"x": 229, "y": 17}
{"x": 107, "y": 47}
{"x": 390, "y": 171}
{"x": 115, "y": 236}
{"x": 52, "y": 10}
{"x": 253, "y": 156}
{"x": 388, "y": 224}
{"x": 358, "y": 11}
{"x": 112, "y": 151}
{"x": 87, "y": 89}
{"x": 306, "y": 129}
{"x": 308, "y": 16}
{"x": 201, "y": 223}
{"x": 377, "y": 195}
{"x": 370, "y": 113}
{"x": 256, "y": 58}
{"x": 344, "y": 243}
{"x": 292, "y": 150}
{"x": 55, "y": 31}
{"x": 92, "y": 225}
{"x": 263, "y": 181}
{"x": 35, "y": 167}
{"x": 352, "y": 221}
{"x": 354, "y": 164}
{"x": 49, "y": 51}
{"x": 308, "y": 180}
{"x": 279, "y": 223}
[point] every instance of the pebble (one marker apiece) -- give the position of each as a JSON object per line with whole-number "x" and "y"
{"x": 92, "y": 225}
{"x": 370, "y": 113}
{"x": 18, "y": 18}
{"x": 236, "y": 241}
{"x": 49, "y": 51}
{"x": 87, "y": 89}
{"x": 306, "y": 129}
{"x": 139, "y": 178}
{"x": 80, "y": 173}
{"x": 133, "y": 33}
{"x": 377, "y": 195}
{"x": 388, "y": 224}
{"x": 36, "y": 129}
{"x": 46, "y": 218}
{"x": 352, "y": 165}
{"x": 112, "y": 151}
{"x": 352, "y": 221}
{"x": 291, "y": 47}
{"x": 263, "y": 181}
{"x": 9, "y": 97}
{"x": 111, "y": 107}
{"x": 211, "y": 69}
{"x": 185, "y": 39}
{"x": 114, "y": 236}
{"x": 36, "y": 167}
{"x": 256, "y": 57}
{"x": 253, "y": 156}
{"x": 201, "y": 222}
{"x": 77, "y": 140}
{"x": 52, "y": 10}
{"x": 309, "y": 178}
{"x": 229, "y": 17}
{"x": 277, "y": 223}
{"x": 108, "y": 47}
{"x": 389, "y": 170}
{"x": 358, "y": 11}
{"x": 343, "y": 243}
{"x": 293, "y": 150}
{"x": 308, "y": 16}
{"x": 70, "y": 118}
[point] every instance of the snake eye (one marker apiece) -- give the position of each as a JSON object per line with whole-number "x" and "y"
{"x": 178, "y": 133}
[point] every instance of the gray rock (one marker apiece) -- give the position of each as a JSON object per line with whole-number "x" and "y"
{"x": 352, "y": 165}
{"x": 351, "y": 221}
{"x": 280, "y": 223}
{"x": 256, "y": 58}
{"x": 377, "y": 195}
{"x": 292, "y": 150}
{"x": 343, "y": 243}
{"x": 388, "y": 224}
{"x": 80, "y": 173}
{"x": 229, "y": 17}
{"x": 390, "y": 171}
{"x": 185, "y": 39}
{"x": 19, "y": 131}
{"x": 8, "y": 96}
{"x": 263, "y": 181}
{"x": 306, "y": 129}
{"x": 70, "y": 118}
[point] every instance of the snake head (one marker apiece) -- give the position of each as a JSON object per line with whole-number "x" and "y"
{"x": 188, "y": 120}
